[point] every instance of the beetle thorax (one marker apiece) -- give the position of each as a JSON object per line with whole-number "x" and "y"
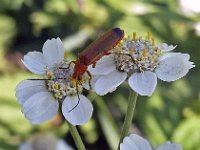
{"x": 79, "y": 70}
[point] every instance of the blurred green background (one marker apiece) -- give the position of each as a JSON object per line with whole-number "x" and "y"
{"x": 171, "y": 114}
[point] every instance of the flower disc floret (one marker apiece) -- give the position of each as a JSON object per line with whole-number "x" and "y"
{"x": 136, "y": 55}
{"x": 60, "y": 83}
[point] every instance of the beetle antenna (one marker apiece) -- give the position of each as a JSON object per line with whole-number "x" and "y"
{"x": 78, "y": 99}
{"x": 126, "y": 55}
{"x": 38, "y": 79}
{"x": 90, "y": 78}
{"x": 47, "y": 79}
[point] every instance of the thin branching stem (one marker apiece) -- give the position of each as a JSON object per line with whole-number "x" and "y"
{"x": 77, "y": 139}
{"x": 129, "y": 115}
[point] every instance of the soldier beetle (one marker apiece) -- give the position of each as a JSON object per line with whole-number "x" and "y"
{"x": 93, "y": 53}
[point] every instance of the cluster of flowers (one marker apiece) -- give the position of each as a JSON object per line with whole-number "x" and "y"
{"x": 135, "y": 142}
{"x": 139, "y": 61}
{"x": 132, "y": 142}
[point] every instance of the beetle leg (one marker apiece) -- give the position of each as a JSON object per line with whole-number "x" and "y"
{"x": 107, "y": 53}
{"x": 90, "y": 78}
{"x": 130, "y": 57}
{"x": 78, "y": 98}
{"x": 68, "y": 65}
{"x": 126, "y": 55}
{"x": 94, "y": 65}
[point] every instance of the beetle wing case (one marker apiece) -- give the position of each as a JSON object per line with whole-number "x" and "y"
{"x": 101, "y": 46}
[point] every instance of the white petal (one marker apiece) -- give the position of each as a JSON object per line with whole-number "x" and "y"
{"x": 167, "y": 55}
{"x": 143, "y": 83}
{"x": 61, "y": 145}
{"x": 135, "y": 142}
{"x": 53, "y": 51}
{"x": 34, "y": 61}
{"x": 169, "y": 146}
{"x": 40, "y": 107}
{"x": 26, "y": 146}
{"x": 109, "y": 82}
{"x": 104, "y": 66}
{"x": 165, "y": 47}
{"x": 141, "y": 143}
{"x": 26, "y": 88}
{"x": 128, "y": 144}
{"x": 126, "y": 147}
{"x": 173, "y": 68}
{"x": 81, "y": 113}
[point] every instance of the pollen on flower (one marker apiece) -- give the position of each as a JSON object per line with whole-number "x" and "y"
{"x": 48, "y": 74}
{"x": 57, "y": 86}
{"x": 60, "y": 82}
{"x": 65, "y": 55}
{"x": 148, "y": 35}
{"x": 153, "y": 41}
{"x": 144, "y": 53}
{"x": 137, "y": 54}
{"x": 73, "y": 82}
{"x": 131, "y": 51}
{"x": 134, "y": 36}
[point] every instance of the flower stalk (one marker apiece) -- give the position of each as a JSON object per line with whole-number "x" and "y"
{"x": 129, "y": 115}
{"x": 77, "y": 139}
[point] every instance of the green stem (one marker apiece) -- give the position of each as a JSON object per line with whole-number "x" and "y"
{"x": 129, "y": 115}
{"x": 76, "y": 137}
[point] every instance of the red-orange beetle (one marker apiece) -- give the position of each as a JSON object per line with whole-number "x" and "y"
{"x": 95, "y": 51}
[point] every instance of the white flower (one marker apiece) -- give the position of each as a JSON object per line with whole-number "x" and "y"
{"x": 190, "y": 8}
{"x": 135, "y": 142}
{"x": 40, "y": 98}
{"x": 45, "y": 142}
{"x": 108, "y": 77}
{"x": 142, "y": 62}
{"x": 196, "y": 27}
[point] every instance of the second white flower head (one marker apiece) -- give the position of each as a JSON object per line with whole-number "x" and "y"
{"x": 142, "y": 62}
